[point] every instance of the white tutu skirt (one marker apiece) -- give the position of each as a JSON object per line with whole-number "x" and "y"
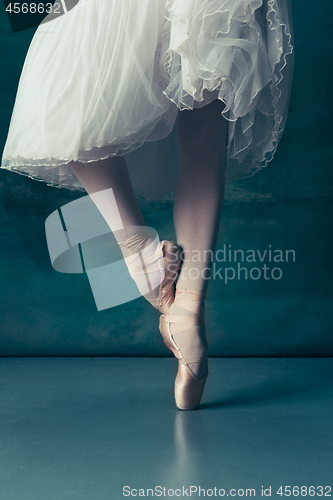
{"x": 109, "y": 75}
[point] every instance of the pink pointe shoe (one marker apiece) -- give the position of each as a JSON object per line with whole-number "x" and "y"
{"x": 183, "y": 332}
{"x": 171, "y": 261}
{"x": 153, "y": 265}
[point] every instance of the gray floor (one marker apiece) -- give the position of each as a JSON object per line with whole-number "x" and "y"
{"x": 83, "y": 428}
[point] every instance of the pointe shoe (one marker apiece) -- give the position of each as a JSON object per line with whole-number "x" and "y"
{"x": 171, "y": 262}
{"x": 153, "y": 266}
{"x": 183, "y": 329}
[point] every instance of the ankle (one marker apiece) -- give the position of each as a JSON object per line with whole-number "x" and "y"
{"x": 143, "y": 257}
{"x": 191, "y": 293}
{"x": 197, "y": 298}
{"x": 135, "y": 244}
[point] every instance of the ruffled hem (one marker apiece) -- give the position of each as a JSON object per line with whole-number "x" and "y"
{"x": 257, "y": 113}
{"x": 239, "y": 51}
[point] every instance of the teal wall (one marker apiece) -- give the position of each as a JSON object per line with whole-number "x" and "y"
{"x": 288, "y": 205}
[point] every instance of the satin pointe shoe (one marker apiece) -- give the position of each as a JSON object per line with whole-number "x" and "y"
{"x": 183, "y": 332}
{"x": 171, "y": 262}
{"x": 154, "y": 268}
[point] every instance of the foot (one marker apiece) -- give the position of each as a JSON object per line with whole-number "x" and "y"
{"x": 183, "y": 332}
{"x": 154, "y": 266}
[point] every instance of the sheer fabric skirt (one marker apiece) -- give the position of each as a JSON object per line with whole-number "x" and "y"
{"x": 110, "y": 75}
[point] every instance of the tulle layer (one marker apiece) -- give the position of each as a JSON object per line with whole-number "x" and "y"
{"x": 110, "y": 75}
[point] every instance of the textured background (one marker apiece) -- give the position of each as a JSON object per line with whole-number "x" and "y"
{"x": 288, "y": 205}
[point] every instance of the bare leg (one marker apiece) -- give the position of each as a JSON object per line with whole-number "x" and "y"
{"x": 197, "y": 210}
{"x": 99, "y": 177}
{"x": 199, "y": 194}
{"x": 111, "y": 173}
